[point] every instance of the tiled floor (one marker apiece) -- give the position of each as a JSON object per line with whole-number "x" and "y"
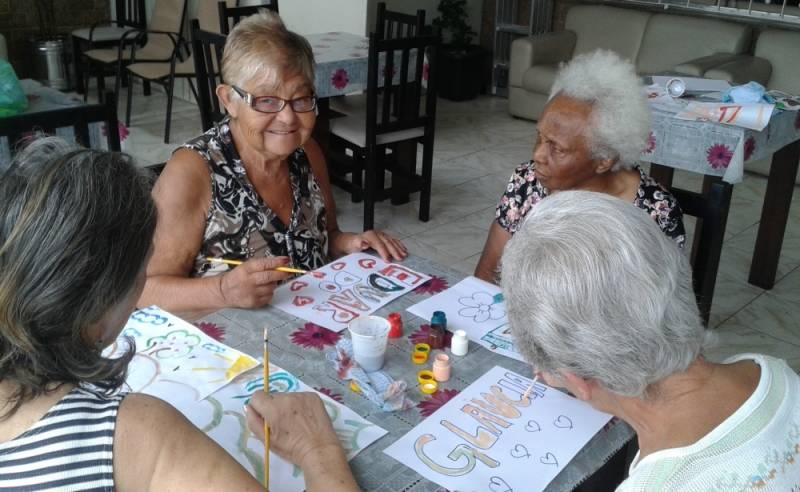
{"x": 477, "y": 146}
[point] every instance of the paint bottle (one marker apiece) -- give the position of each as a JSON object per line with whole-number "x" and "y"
{"x": 459, "y": 345}
{"x": 441, "y": 367}
{"x": 438, "y": 327}
{"x": 396, "y": 323}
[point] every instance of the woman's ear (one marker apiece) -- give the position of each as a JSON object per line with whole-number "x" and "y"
{"x": 226, "y": 98}
{"x": 604, "y": 165}
{"x": 578, "y": 386}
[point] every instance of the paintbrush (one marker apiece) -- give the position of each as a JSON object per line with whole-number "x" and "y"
{"x": 530, "y": 388}
{"x": 266, "y": 425}
{"x": 277, "y": 269}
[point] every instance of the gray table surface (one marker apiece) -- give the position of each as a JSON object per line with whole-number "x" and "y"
{"x": 374, "y": 470}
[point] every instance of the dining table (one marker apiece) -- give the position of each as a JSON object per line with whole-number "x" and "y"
{"x": 719, "y": 151}
{"x": 300, "y": 347}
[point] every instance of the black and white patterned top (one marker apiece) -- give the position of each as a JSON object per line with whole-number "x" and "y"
{"x": 70, "y": 448}
{"x": 239, "y": 225}
{"x": 524, "y": 191}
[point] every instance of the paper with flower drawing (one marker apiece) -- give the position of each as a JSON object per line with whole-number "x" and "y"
{"x": 355, "y": 285}
{"x": 490, "y": 437}
{"x": 476, "y": 307}
{"x": 169, "y": 349}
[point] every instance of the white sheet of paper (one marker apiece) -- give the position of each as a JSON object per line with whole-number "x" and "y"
{"x": 170, "y": 350}
{"x": 355, "y": 285}
{"x": 754, "y": 116}
{"x": 476, "y": 307}
{"x": 490, "y": 438}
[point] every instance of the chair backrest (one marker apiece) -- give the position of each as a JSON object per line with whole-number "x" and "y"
{"x": 168, "y": 16}
{"x": 17, "y": 127}
{"x": 207, "y": 48}
{"x": 130, "y": 13}
{"x": 711, "y": 210}
{"x": 391, "y": 25}
{"x": 208, "y": 13}
{"x": 230, "y": 16}
{"x": 399, "y": 108}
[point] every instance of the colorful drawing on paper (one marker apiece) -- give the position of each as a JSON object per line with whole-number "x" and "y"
{"x": 476, "y": 307}
{"x": 491, "y": 437}
{"x": 170, "y": 349}
{"x": 355, "y": 285}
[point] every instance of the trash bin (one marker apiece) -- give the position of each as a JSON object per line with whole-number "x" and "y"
{"x": 51, "y": 62}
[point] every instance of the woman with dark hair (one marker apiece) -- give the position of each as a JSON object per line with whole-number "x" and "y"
{"x": 76, "y": 228}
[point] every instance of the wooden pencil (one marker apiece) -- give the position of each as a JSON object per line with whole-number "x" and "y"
{"x": 530, "y": 388}
{"x": 277, "y": 269}
{"x": 266, "y": 425}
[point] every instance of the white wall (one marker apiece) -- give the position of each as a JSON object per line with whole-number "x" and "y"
{"x": 474, "y": 10}
{"x": 316, "y": 16}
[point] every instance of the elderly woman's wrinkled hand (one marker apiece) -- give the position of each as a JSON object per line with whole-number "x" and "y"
{"x": 299, "y": 426}
{"x": 252, "y": 284}
{"x": 388, "y": 247}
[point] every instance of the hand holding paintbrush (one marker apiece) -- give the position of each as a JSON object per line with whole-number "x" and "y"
{"x": 283, "y": 269}
{"x": 252, "y": 283}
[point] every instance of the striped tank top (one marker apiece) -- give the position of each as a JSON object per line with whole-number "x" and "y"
{"x": 69, "y": 449}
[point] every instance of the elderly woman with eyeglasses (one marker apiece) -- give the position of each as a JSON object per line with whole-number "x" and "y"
{"x": 254, "y": 188}
{"x": 600, "y": 303}
{"x": 590, "y": 136}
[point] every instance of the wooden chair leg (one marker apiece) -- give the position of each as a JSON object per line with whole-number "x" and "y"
{"x": 129, "y": 100}
{"x": 427, "y": 181}
{"x": 170, "y": 92}
{"x": 369, "y": 190}
{"x": 146, "y": 87}
{"x": 359, "y": 165}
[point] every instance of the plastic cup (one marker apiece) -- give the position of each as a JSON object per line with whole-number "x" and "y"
{"x": 370, "y": 335}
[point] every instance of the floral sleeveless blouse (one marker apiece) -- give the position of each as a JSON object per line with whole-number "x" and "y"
{"x": 239, "y": 225}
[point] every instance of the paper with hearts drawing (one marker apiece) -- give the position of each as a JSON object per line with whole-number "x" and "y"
{"x": 352, "y": 286}
{"x": 490, "y": 438}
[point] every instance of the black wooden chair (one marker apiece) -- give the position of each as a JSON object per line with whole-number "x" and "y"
{"x": 710, "y": 207}
{"x": 18, "y": 128}
{"x": 230, "y": 16}
{"x": 207, "y": 48}
{"x": 392, "y": 25}
{"x": 367, "y": 143}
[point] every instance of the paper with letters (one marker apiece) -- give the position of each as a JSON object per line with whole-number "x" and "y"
{"x": 476, "y": 307}
{"x": 352, "y": 286}
{"x": 490, "y": 438}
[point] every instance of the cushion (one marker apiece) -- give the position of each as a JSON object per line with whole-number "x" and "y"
{"x": 101, "y": 33}
{"x": 615, "y": 29}
{"x": 779, "y": 47}
{"x": 674, "y": 39}
{"x": 539, "y": 78}
{"x": 352, "y": 128}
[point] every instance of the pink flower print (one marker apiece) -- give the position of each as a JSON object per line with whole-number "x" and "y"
{"x": 213, "y": 330}
{"x": 121, "y": 128}
{"x": 331, "y": 394}
{"x": 423, "y": 335}
{"x": 315, "y": 336}
{"x": 749, "y": 147}
{"x": 340, "y": 79}
{"x": 719, "y": 156}
{"x": 651, "y": 144}
{"x": 425, "y": 71}
{"x": 432, "y": 286}
{"x": 436, "y": 401}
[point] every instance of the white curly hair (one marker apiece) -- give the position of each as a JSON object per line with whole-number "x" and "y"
{"x": 620, "y": 117}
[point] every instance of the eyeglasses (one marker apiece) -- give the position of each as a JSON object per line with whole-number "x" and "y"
{"x": 274, "y": 104}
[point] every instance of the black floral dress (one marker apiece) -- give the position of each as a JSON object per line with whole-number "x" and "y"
{"x": 239, "y": 225}
{"x": 524, "y": 191}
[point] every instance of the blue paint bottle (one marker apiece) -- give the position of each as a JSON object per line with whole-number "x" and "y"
{"x": 438, "y": 327}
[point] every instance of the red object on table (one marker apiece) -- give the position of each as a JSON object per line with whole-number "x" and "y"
{"x": 396, "y": 323}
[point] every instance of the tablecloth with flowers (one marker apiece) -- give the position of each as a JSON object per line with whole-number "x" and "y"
{"x": 716, "y": 149}
{"x": 300, "y": 346}
{"x": 341, "y": 63}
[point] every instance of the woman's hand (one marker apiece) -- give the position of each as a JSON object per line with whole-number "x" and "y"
{"x": 252, "y": 284}
{"x": 299, "y": 426}
{"x": 386, "y": 245}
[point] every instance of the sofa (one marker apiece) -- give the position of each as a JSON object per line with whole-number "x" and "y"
{"x": 655, "y": 42}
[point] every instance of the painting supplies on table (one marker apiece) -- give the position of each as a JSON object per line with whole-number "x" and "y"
{"x": 396, "y": 322}
{"x": 459, "y": 344}
{"x": 488, "y": 437}
{"x": 277, "y": 269}
{"x": 420, "y": 353}
{"x": 427, "y": 382}
{"x": 370, "y": 336}
{"x": 266, "y": 424}
{"x": 530, "y": 388}
{"x": 354, "y": 285}
{"x": 436, "y": 333}
{"x": 476, "y": 307}
{"x": 441, "y": 367}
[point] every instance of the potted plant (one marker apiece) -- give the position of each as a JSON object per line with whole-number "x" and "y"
{"x": 461, "y": 63}
{"x": 50, "y": 56}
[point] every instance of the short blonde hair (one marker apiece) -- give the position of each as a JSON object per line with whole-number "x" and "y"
{"x": 260, "y": 45}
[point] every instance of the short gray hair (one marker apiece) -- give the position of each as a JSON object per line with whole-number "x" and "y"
{"x": 261, "y": 45}
{"x": 620, "y": 119}
{"x": 594, "y": 287}
{"x": 75, "y": 229}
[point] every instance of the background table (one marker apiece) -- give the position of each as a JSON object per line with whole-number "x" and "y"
{"x": 300, "y": 347}
{"x": 720, "y": 151}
